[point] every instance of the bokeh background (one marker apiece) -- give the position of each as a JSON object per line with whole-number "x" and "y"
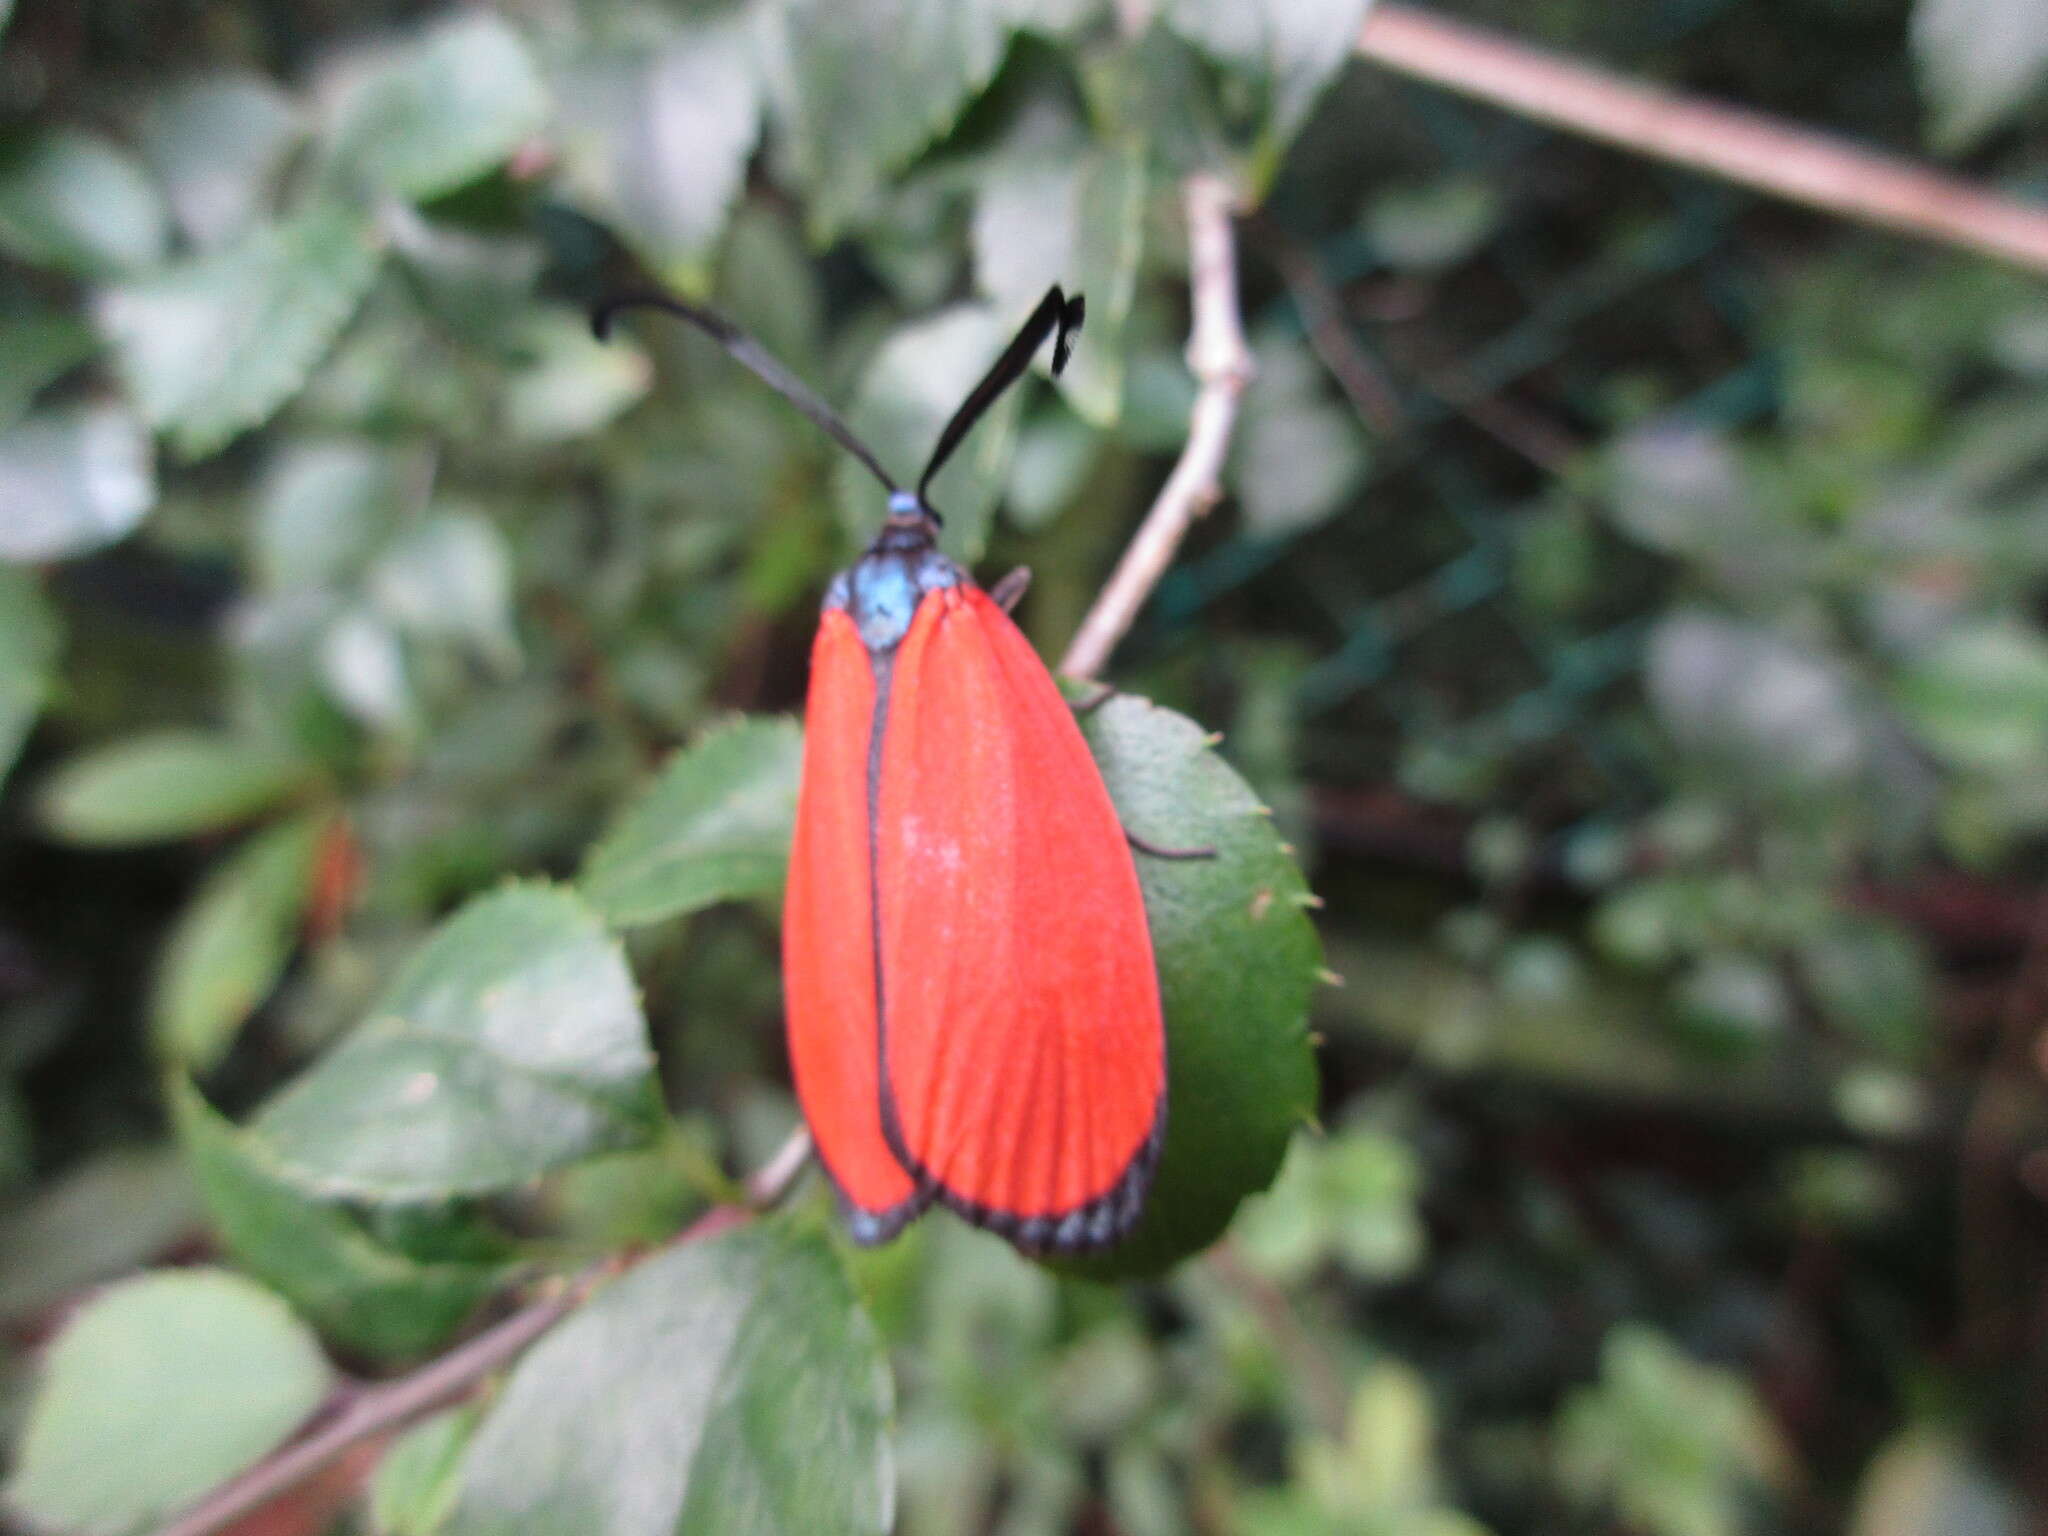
{"x": 1629, "y": 594}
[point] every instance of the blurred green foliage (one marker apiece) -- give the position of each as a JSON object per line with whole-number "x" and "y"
{"x": 1628, "y": 601}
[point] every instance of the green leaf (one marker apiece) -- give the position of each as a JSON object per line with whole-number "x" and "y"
{"x": 413, "y": 1492}
{"x": 165, "y": 785}
{"x": 1160, "y": 91}
{"x": 1287, "y": 51}
{"x": 215, "y": 345}
{"x": 1432, "y": 224}
{"x": 468, "y": 280}
{"x": 76, "y": 202}
{"x": 28, "y": 656}
{"x": 1870, "y": 977}
{"x": 1298, "y": 454}
{"x": 40, "y": 348}
{"x": 1382, "y": 1476}
{"x": 753, "y": 1385}
{"x": 625, "y": 112}
{"x": 713, "y": 826}
{"x": 450, "y": 577}
{"x": 1685, "y": 490}
{"x": 769, "y": 286}
{"x": 1352, "y": 1197}
{"x": 1732, "y": 1004}
{"x": 1925, "y": 1481}
{"x": 866, "y": 87}
{"x": 1678, "y": 1448}
{"x": 1055, "y": 453}
{"x": 441, "y": 111}
{"x": 322, "y": 511}
{"x": 510, "y": 1044}
{"x": 362, "y": 663}
{"x": 907, "y": 394}
{"x": 1980, "y": 697}
{"x": 111, "y": 1214}
{"x": 1979, "y": 62}
{"x": 1238, "y": 959}
{"x": 76, "y": 479}
{"x": 567, "y": 382}
{"x": 217, "y": 145}
{"x": 177, "y": 1379}
{"x": 1775, "y": 709}
{"x": 358, "y": 1291}
{"x": 230, "y": 944}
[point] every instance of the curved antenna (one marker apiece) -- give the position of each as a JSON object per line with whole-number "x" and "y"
{"x": 757, "y": 358}
{"x": 1055, "y": 312}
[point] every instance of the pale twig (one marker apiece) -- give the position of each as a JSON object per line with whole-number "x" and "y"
{"x": 1222, "y": 366}
{"x": 767, "y": 1184}
{"x": 1750, "y": 148}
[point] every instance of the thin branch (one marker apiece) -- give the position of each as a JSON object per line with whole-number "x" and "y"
{"x": 1222, "y": 365}
{"x": 1749, "y": 148}
{"x": 1372, "y": 394}
{"x": 1328, "y": 331}
{"x": 766, "y": 1185}
{"x": 1310, "y": 1361}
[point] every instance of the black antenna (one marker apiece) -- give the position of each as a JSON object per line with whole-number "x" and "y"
{"x": 1055, "y": 312}
{"x": 750, "y": 352}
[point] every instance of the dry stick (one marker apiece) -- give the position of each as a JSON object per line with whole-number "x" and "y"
{"x": 1749, "y": 148}
{"x": 1222, "y": 365}
{"x": 1328, "y": 331}
{"x": 767, "y": 1184}
{"x": 1370, "y": 392}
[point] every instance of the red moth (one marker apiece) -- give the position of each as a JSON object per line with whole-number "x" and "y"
{"x": 973, "y": 1007}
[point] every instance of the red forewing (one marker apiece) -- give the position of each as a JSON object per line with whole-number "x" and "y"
{"x": 1023, "y": 1052}
{"x": 828, "y": 941}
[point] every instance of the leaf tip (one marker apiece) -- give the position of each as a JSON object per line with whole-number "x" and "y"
{"x": 1328, "y": 977}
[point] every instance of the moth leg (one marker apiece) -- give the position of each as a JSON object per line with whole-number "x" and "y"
{"x": 1006, "y": 593}
{"x": 1158, "y": 852}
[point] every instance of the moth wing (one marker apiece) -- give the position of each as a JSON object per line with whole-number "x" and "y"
{"x": 828, "y": 942}
{"x": 1024, "y": 1055}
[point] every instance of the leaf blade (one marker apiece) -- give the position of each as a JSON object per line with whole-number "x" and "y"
{"x": 356, "y": 1290}
{"x": 181, "y": 1378}
{"x": 713, "y": 826}
{"x": 706, "y": 1348}
{"x": 77, "y": 479}
{"x": 164, "y": 785}
{"x": 441, "y": 112}
{"x": 214, "y": 345}
{"x": 230, "y": 944}
{"x": 510, "y": 1043}
{"x": 1238, "y": 960}
{"x": 29, "y": 637}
